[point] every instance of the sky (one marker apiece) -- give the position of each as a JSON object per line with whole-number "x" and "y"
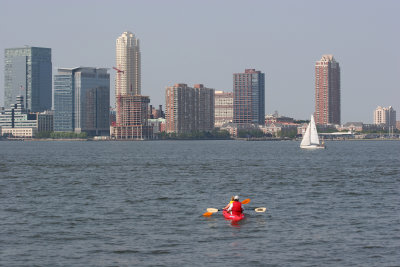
{"x": 184, "y": 41}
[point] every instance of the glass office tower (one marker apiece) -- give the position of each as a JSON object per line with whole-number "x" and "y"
{"x": 64, "y": 102}
{"x": 82, "y": 100}
{"x": 28, "y": 72}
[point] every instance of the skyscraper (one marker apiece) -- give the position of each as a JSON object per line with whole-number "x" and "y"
{"x": 249, "y": 97}
{"x": 28, "y": 72}
{"x": 128, "y": 61}
{"x": 327, "y": 91}
{"x": 131, "y": 106}
{"x": 82, "y": 100}
{"x": 189, "y": 109}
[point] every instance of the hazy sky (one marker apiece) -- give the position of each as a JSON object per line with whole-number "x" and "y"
{"x": 207, "y": 41}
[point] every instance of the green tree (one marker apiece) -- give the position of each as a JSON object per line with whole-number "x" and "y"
{"x": 43, "y": 135}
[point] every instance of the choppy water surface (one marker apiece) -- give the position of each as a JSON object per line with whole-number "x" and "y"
{"x": 140, "y": 203}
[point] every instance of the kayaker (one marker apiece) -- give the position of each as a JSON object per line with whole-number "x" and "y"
{"x": 235, "y": 207}
{"x": 230, "y": 202}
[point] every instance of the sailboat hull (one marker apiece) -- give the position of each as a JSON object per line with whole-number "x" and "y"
{"x": 313, "y": 147}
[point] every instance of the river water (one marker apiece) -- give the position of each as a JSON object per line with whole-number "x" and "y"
{"x": 141, "y": 203}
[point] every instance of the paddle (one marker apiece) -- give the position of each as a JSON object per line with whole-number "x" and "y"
{"x": 210, "y": 211}
{"x": 260, "y": 209}
{"x": 246, "y": 201}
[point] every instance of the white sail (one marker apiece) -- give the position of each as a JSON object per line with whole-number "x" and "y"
{"x": 310, "y": 138}
{"x": 314, "y": 133}
{"x": 306, "y": 138}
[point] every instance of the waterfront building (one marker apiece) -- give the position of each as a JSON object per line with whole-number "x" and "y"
{"x": 385, "y": 116}
{"x": 17, "y": 116}
{"x": 302, "y": 128}
{"x": 82, "y": 100}
{"x": 352, "y": 126}
{"x": 273, "y": 118}
{"x": 276, "y": 128}
{"x": 249, "y": 97}
{"x": 132, "y": 109}
{"x": 45, "y": 121}
{"x": 189, "y": 109}
{"x": 18, "y": 133}
{"x": 132, "y": 118}
{"x": 17, "y": 122}
{"x": 128, "y": 60}
{"x": 327, "y": 91}
{"x": 28, "y": 72}
{"x": 157, "y": 124}
{"x": 374, "y": 127}
{"x": 223, "y": 106}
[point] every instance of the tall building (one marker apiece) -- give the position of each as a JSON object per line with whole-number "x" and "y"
{"x": 28, "y": 72}
{"x": 132, "y": 118}
{"x": 128, "y": 61}
{"x": 385, "y": 116}
{"x": 249, "y": 97}
{"x": 132, "y": 109}
{"x": 189, "y": 109}
{"x": 327, "y": 91}
{"x": 82, "y": 100}
{"x": 223, "y": 108}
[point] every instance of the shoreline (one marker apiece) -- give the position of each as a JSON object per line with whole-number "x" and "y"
{"x": 232, "y": 139}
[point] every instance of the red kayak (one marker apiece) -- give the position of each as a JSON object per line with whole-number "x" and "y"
{"x": 229, "y": 216}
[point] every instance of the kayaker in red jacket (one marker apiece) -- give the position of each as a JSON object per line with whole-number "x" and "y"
{"x": 235, "y": 207}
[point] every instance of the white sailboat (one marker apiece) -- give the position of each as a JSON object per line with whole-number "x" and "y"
{"x": 310, "y": 138}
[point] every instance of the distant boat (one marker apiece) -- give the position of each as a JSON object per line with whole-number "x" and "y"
{"x": 310, "y": 138}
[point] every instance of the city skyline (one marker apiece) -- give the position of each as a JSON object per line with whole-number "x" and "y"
{"x": 284, "y": 49}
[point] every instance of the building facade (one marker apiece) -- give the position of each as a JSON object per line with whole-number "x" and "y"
{"x": 327, "y": 91}
{"x": 249, "y": 97}
{"x": 132, "y": 109}
{"x": 132, "y": 118}
{"x": 82, "y": 100}
{"x": 45, "y": 121}
{"x": 385, "y": 116}
{"x": 17, "y": 122}
{"x": 16, "y": 116}
{"x": 223, "y": 106}
{"x": 64, "y": 101}
{"x": 28, "y": 72}
{"x": 158, "y": 125}
{"x": 156, "y": 113}
{"x": 128, "y": 61}
{"x": 189, "y": 109}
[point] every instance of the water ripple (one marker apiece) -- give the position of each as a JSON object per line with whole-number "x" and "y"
{"x": 140, "y": 203}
